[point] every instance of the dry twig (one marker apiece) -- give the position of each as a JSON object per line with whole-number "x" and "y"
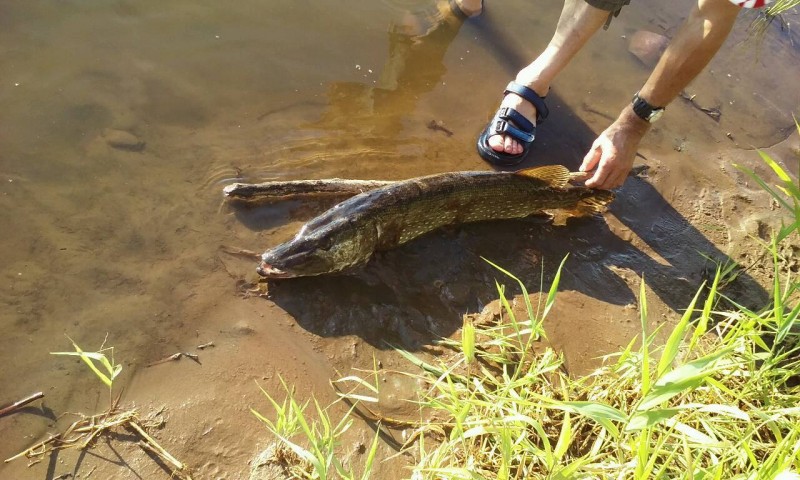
{"x": 21, "y": 403}
{"x": 177, "y": 356}
{"x": 240, "y": 252}
{"x": 278, "y": 190}
{"x": 84, "y": 432}
{"x": 714, "y": 113}
{"x": 148, "y": 443}
{"x": 174, "y": 356}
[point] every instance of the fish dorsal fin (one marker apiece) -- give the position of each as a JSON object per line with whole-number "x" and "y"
{"x": 555, "y": 175}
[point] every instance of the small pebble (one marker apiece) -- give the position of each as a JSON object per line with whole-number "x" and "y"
{"x": 122, "y": 140}
{"x": 647, "y": 46}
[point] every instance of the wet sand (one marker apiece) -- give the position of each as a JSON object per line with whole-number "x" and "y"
{"x": 120, "y": 124}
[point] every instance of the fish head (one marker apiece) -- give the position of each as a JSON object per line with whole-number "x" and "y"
{"x": 317, "y": 251}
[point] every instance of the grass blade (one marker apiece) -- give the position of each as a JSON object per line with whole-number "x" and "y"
{"x": 600, "y": 413}
{"x": 468, "y": 339}
{"x": 684, "y": 378}
{"x": 88, "y": 358}
{"x": 551, "y": 294}
{"x": 649, "y": 418}
{"x": 645, "y": 343}
{"x": 676, "y": 338}
{"x": 564, "y": 440}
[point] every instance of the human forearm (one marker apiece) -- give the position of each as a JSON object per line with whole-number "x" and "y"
{"x": 699, "y": 38}
{"x": 695, "y": 44}
{"x": 689, "y": 52}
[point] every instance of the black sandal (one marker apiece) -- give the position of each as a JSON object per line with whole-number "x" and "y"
{"x": 508, "y": 121}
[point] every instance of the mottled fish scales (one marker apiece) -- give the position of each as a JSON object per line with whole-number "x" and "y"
{"x": 390, "y": 216}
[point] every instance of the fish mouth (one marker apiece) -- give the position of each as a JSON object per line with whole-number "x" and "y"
{"x": 268, "y": 271}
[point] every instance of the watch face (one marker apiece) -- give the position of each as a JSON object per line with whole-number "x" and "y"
{"x": 655, "y": 115}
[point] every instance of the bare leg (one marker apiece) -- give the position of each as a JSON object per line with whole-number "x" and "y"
{"x": 578, "y": 22}
{"x": 695, "y": 44}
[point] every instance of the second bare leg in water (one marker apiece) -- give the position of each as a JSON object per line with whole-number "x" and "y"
{"x": 470, "y": 8}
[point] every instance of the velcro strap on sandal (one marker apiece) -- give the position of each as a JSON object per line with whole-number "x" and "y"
{"x": 530, "y": 95}
{"x": 501, "y": 126}
{"x": 508, "y": 113}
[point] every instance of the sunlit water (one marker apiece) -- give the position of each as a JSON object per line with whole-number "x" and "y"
{"x": 120, "y": 122}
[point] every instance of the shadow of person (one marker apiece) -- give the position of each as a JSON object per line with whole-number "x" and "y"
{"x": 369, "y": 118}
{"x": 682, "y": 246}
{"x": 415, "y": 65}
{"x": 417, "y": 293}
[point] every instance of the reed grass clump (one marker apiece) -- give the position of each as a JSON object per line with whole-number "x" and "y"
{"x": 719, "y": 399}
{"x": 716, "y": 401}
{"x": 780, "y": 11}
{"x": 84, "y": 432}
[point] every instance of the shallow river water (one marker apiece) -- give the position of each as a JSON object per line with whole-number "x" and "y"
{"x": 121, "y": 122}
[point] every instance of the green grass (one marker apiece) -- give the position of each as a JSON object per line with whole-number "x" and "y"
{"x": 776, "y": 11}
{"x": 715, "y": 401}
{"x": 317, "y": 457}
{"x": 85, "y": 432}
{"x": 719, "y": 399}
{"x": 103, "y": 368}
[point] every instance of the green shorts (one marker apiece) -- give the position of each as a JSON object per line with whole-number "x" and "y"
{"x": 609, "y": 5}
{"x": 613, "y": 8}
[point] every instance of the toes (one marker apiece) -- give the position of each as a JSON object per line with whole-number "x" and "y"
{"x": 508, "y": 145}
{"x": 512, "y": 146}
{"x": 497, "y": 143}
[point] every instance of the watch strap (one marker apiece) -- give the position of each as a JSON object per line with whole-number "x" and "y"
{"x": 643, "y": 109}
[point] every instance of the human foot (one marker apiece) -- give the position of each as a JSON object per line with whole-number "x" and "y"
{"x": 507, "y": 143}
{"x": 507, "y": 138}
{"x": 466, "y": 8}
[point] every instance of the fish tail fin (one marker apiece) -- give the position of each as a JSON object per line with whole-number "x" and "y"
{"x": 557, "y": 176}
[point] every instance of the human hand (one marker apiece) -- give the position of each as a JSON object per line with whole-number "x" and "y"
{"x": 613, "y": 152}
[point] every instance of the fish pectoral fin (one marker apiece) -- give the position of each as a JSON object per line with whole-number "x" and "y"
{"x": 557, "y": 176}
{"x": 596, "y": 202}
{"x": 593, "y": 204}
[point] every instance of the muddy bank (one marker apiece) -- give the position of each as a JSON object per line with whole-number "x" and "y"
{"x": 115, "y": 153}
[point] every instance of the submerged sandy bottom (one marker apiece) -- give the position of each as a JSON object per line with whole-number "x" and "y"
{"x": 121, "y": 124}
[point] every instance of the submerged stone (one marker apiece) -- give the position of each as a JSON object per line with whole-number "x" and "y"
{"x": 647, "y": 46}
{"x": 123, "y": 140}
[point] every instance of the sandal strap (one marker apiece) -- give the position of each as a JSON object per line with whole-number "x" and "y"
{"x": 510, "y": 122}
{"x": 530, "y": 95}
{"x": 508, "y": 113}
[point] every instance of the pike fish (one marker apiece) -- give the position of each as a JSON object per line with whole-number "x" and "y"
{"x": 350, "y": 232}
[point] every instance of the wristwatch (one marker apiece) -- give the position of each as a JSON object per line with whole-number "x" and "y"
{"x": 644, "y": 110}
